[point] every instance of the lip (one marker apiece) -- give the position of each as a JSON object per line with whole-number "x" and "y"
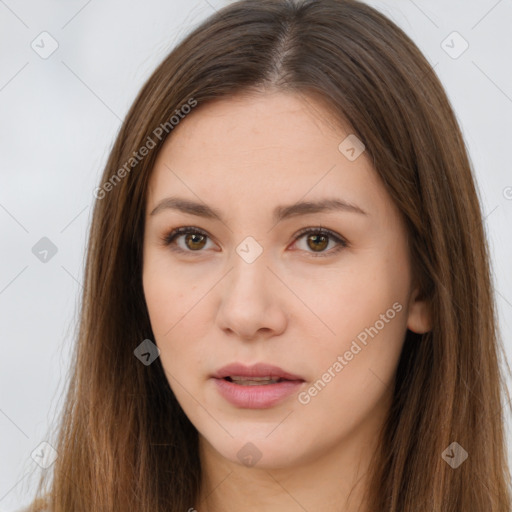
{"x": 256, "y": 370}
{"x": 258, "y": 396}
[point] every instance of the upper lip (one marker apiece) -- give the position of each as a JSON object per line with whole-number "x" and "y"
{"x": 256, "y": 370}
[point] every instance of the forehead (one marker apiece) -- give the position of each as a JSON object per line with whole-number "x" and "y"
{"x": 258, "y": 123}
{"x": 260, "y": 149}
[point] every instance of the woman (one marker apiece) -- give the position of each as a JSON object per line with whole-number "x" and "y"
{"x": 287, "y": 301}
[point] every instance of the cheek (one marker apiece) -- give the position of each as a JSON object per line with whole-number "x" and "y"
{"x": 347, "y": 300}
{"x": 175, "y": 310}
{"x": 367, "y": 331}
{"x": 354, "y": 370}
{"x": 169, "y": 294}
{"x": 364, "y": 317}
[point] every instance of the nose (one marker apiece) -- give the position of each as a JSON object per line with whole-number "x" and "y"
{"x": 250, "y": 305}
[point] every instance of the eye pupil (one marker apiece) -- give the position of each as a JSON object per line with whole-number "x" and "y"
{"x": 324, "y": 241}
{"x": 194, "y": 237}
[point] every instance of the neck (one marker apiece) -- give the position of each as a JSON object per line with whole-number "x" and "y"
{"x": 334, "y": 481}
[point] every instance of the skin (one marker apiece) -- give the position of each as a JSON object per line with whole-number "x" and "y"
{"x": 245, "y": 155}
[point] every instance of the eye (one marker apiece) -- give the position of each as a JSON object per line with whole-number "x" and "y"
{"x": 195, "y": 239}
{"x": 318, "y": 240}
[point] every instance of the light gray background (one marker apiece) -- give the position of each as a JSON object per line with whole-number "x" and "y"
{"x": 59, "y": 117}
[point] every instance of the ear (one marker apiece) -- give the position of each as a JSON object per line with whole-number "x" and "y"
{"x": 419, "y": 318}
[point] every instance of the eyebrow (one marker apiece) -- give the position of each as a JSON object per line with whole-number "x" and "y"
{"x": 280, "y": 212}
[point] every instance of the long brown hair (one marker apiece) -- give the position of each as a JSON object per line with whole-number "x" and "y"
{"x": 124, "y": 442}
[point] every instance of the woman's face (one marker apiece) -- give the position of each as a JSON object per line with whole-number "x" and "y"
{"x": 245, "y": 285}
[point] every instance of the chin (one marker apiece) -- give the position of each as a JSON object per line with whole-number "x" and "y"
{"x": 260, "y": 451}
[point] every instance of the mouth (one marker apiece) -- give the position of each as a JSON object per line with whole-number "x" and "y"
{"x": 256, "y": 387}
{"x": 257, "y": 374}
{"x": 254, "y": 381}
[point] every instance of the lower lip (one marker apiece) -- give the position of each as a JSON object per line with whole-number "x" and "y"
{"x": 257, "y": 397}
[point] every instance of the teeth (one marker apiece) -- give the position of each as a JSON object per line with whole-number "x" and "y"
{"x": 254, "y": 381}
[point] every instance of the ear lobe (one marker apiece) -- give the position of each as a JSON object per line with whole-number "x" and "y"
{"x": 419, "y": 318}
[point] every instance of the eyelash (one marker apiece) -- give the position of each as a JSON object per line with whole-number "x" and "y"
{"x": 169, "y": 239}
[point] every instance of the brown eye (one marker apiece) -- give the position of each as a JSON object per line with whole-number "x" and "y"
{"x": 195, "y": 241}
{"x": 317, "y": 242}
{"x": 318, "y": 239}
